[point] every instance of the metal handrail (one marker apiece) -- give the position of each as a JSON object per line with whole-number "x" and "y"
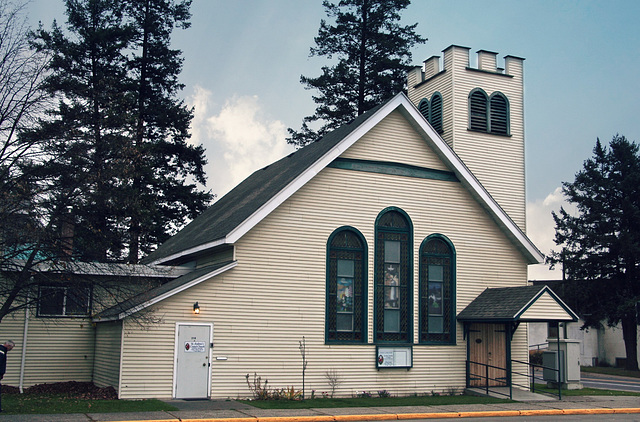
{"x": 532, "y": 373}
{"x": 487, "y": 378}
{"x": 509, "y": 372}
{"x": 539, "y": 346}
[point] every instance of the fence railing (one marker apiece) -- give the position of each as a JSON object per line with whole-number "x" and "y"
{"x": 528, "y": 372}
{"x": 485, "y": 367}
{"x": 539, "y": 346}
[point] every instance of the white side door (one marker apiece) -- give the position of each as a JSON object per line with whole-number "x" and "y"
{"x": 192, "y": 360}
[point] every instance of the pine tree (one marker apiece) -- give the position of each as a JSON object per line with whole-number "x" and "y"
{"x": 118, "y": 137}
{"x": 86, "y": 130}
{"x": 162, "y": 162}
{"x": 373, "y": 56}
{"x": 600, "y": 251}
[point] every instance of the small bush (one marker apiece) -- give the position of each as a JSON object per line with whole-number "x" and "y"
{"x": 262, "y": 391}
{"x": 535, "y": 357}
{"x": 383, "y": 394}
{"x": 364, "y": 395}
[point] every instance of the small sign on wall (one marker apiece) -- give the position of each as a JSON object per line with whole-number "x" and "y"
{"x": 194, "y": 346}
{"x": 394, "y": 357}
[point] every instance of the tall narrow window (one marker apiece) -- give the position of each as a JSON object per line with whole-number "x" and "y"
{"x": 437, "y": 291}
{"x": 393, "y": 277}
{"x": 423, "y": 107}
{"x": 435, "y": 114}
{"x": 346, "y": 287}
{"x": 478, "y": 110}
{"x": 499, "y": 111}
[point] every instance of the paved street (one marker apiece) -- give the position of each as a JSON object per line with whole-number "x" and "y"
{"x": 610, "y": 382}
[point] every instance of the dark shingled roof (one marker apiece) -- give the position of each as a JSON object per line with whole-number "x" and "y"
{"x": 502, "y": 304}
{"x": 240, "y": 203}
{"x": 115, "y": 311}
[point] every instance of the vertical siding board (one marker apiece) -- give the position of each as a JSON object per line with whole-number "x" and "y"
{"x": 106, "y": 369}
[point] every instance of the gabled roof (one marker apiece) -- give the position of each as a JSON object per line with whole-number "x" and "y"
{"x": 150, "y": 297}
{"x": 228, "y": 219}
{"x": 522, "y": 303}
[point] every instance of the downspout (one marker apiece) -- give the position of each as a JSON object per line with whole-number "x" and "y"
{"x": 24, "y": 345}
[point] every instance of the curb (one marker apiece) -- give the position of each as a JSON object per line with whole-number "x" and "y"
{"x": 408, "y": 416}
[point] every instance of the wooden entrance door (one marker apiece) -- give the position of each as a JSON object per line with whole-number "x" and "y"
{"x": 487, "y": 346}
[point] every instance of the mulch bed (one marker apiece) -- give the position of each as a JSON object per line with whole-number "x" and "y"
{"x": 80, "y": 390}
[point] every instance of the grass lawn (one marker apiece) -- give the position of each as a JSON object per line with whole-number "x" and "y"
{"x": 61, "y": 403}
{"x": 610, "y": 371}
{"x": 372, "y": 402}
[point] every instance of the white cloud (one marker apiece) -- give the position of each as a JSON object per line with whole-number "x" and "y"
{"x": 239, "y": 139}
{"x": 541, "y": 229}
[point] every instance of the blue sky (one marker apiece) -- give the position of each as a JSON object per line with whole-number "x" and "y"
{"x": 244, "y": 58}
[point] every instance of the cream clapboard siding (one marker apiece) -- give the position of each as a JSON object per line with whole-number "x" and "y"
{"x": 275, "y": 296}
{"x": 12, "y": 328}
{"x": 57, "y": 349}
{"x": 546, "y": 308}
{"x": 106, "y": 366}
{"x": 497, "y": 161}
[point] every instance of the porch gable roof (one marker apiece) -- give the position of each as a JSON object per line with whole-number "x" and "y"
{"x": 517, "y": 304}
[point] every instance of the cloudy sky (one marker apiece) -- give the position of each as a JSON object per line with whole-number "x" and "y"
{"x": 244, "y": 58}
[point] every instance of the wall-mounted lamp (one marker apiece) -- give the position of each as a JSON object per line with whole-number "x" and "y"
{"x": 196, "y": 308}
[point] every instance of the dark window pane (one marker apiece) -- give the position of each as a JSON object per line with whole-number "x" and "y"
{"x": 51, "y": 301}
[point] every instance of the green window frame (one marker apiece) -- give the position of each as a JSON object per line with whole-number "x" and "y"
{"x": 489, "y": 114}
{"x": 435, "y": 112}
{"x": 437, "y": 291}
{"x": 423, "y": 108}
{"x": 432, "y": 111}
{"x": 499, "y": 112}
{"x": 478, "y": 110}
{"x": 346, "y": 296}
{"x": 393, "y": 277}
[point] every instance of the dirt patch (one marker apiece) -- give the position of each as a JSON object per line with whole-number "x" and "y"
{"x": 81, "y": 390}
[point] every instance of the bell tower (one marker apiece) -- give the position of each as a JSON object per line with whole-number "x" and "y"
{"x": 479, "y": 112}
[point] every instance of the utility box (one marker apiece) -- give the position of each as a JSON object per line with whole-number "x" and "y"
{"x": 567, "y": 357}
{"x": 552, "y": 366}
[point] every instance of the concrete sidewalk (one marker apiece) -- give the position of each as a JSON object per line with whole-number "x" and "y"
{"x": 232, "y": 411}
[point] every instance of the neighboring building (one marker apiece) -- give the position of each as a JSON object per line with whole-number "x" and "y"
{"x": 394, "y": 247}
{"x": 598, "y": 346}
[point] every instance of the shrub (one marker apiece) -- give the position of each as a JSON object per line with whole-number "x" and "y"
{"x": 535, "y": 357}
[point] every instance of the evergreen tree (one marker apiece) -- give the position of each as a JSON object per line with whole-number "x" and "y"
{"x": 161, "y": 197}
{"x": 85, "y": 132}
{"x": 118, "y": 137}
{"x": 373, "y": 56}
{"x": 601, "y": 244}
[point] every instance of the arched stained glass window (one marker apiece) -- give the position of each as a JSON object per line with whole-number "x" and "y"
{"x": 437, "y": 291}
{"x": 393, "y": 277}
{"x": 346, "y": 287}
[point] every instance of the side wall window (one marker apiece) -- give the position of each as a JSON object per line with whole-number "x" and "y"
{"x": 489, "y": 114}
{"x": 58, "y": 301}
{"x": 437, "y": 291}
{"x": 435, "y": 115}
{"x": 346, "y": 287}
{"x": 393, "y": 277}
{"x": 478, "y": 110}
{"x": 432, "y": 111}
{"x": 499, "y": 110}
